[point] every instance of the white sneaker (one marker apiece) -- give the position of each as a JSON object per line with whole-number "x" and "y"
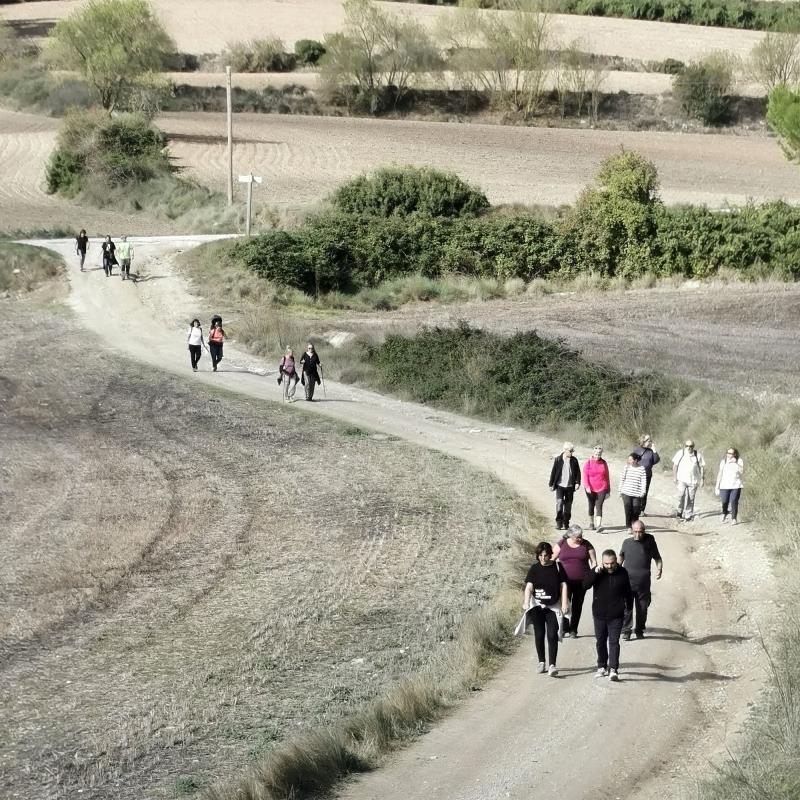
{"x": 612, "y": 675}
{"x": 541, "y": 668}
{"x": 601, "y": 672}
{"x": 724, "y": 518}
{"x": 734, "y": 522}
{"x": 552, "y": 671}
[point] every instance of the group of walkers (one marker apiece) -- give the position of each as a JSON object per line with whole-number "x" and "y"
{"x": 562, "y": 574}
{"x": 112, "y": 254}
{"x": 308, "y": 371}
{"x": 557, "y": 583}
{"x": 688, "y": 473}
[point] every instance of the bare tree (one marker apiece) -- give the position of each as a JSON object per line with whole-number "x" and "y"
{"x": 505, "y": 55}
{"x": 775, "y": 61}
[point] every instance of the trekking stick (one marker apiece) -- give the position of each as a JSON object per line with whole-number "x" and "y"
{"x": 322, "y": 378}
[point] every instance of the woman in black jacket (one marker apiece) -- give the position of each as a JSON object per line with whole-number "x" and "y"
{"x": 565, "y": 478}
{"x": 310, "y": 366}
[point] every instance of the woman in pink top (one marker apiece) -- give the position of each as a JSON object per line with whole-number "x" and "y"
{"x": 597, "y": 483}
{"x": 578, "y": 558}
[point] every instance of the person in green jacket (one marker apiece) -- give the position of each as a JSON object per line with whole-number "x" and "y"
{"x": 125, "y": 253}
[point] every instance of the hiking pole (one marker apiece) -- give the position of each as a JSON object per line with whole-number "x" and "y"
{"x": 322, "y": 378}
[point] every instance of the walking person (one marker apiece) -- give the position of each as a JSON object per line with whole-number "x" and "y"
{"x": 729, "y": 484}
{"x": 310, "y": 366}
{"x": 288, "y": 375}
{"x": 648, "y": 458}
{"x": 109, "y": 259}
{"x": 216, "y": 336}
{"x": 597, "y": 484}
{"x": 612, "y": 599}
{"x": 81, "y": 246}
{"x": 632, "y": 486}
{"x": 194, "y": 338}
{"x": 637, "y": 555}
{"x": 689, "y": 474}
{"x": 565, "y": 478}
{"x": 125, "y": 251}
{"x": 578, "y": 558}
{"x": 545, "y": 600}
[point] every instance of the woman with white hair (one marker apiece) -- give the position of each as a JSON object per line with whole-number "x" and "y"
{"x": 578, "y": 558}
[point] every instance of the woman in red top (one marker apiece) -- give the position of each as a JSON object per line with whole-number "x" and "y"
{"x": 597, "y": 482}
{"x": 578, "y": 558}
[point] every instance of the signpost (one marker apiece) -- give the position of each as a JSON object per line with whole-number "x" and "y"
{"x": 230, "y": 135}
{"x": 249, "y": 180}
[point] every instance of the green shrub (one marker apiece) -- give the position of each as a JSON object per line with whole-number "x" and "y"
{"x": 407, "y": 190}
{"x": 309, "y": 51}
{"x": 259, "y": 55}
{"x": 115, "y": 151}
{"x": 783, "y": 116}
{"x": 523, "y": 378}
{"x": 703, "y": 90}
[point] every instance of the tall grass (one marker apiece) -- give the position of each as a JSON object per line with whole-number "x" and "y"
{"x": 23, "y": 268}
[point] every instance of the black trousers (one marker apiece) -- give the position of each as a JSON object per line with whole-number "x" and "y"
{"x": 545, "y": 621}
{"x": 216, "y": 353}
{"x": 632, "y": 507}
{"x": 596, "y": 500}
{"x": 195, "y": 351}
{"x": 607, "y": 632}
{"x": 641, "y": 602}
{"x": 108, "y": 264}
{"x": 576, "y": 593}
{"x": 646, "y": 490}
{"x": 564, "y": 497}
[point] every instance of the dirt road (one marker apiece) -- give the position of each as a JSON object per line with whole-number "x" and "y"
{"x": 302, "y": 159}
{"x": 685, "y": 688}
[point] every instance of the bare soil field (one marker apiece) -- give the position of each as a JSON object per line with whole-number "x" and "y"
{"x": 26, "y": 141}
{"x": 190, "y": 576}
{"x": 741, "y": 337}
{"x": 303, "y": 158}
{"x": 696, "y": 675}
{"x": 200, "y": 26}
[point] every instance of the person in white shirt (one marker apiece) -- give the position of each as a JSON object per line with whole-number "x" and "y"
{"x": 729, "y": 484}
{"x": 689, "y": 474}
{"x": 195, "y": 340}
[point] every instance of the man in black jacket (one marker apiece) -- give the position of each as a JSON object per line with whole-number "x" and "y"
{"x": 637, "y": 554}
{"x": 613, "y": 598}
{"x": 565, "y": 478}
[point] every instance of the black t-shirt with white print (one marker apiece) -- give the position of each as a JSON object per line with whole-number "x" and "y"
{"x": 546, "y": 582}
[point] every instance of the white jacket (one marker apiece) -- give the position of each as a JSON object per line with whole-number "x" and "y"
{"x": 729, "y": 475}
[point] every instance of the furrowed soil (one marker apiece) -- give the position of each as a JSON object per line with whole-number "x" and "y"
{"x": 200, "y": 26}
{"x": 190, "y": 576}
{"x": 686, "y": 690}
{"x": 738, "y": 336}
{"x": 302, "y": 159}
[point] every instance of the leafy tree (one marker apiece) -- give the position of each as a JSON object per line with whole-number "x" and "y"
{"x": 309, "y": 51}
{"x": 117, "y": 45}
{"x": 783, "y": 116}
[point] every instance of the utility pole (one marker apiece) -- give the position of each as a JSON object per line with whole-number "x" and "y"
{"x": 249, "y": 180}
{"x": 230, "y": 135}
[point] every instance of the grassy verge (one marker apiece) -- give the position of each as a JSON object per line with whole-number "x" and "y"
{"x": 24, "y": 268}
{"x": 313, "y": 764}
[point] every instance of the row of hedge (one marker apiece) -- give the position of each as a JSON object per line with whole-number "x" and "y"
{"x": 337, "y": 251}
{"x": 760, "y": 15}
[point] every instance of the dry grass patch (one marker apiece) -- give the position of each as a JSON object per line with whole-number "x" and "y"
{"x": 192, "y": 579}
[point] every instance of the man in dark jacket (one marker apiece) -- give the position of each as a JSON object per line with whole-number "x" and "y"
{"x": 613, "y": 598}
{"x": 637, "y": 554}
{"x": 565, "y": 478}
